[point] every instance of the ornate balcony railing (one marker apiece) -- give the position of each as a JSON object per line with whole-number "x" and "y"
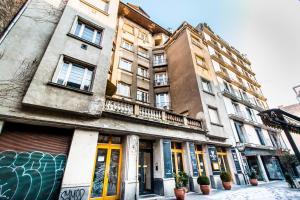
{"x": 160, "y": 62}
{"x": 138, "y": 111}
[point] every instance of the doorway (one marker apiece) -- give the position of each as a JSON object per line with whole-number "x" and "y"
{"x": 145, "y": 168}
{"x": 106, "y": 178}
{"x": 253, "y": 164}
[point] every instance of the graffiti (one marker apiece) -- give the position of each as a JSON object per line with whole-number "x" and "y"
{"x": 71, "y": 194}
{"x": 30, "y": 175}
{"x": 74, "y": 193}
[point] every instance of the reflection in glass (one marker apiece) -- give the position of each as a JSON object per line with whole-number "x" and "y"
{"x": 99, "y": 173}
{"x": 201, "y": 165}
{"x": 103, "y": 139}
{"x": 113, "y": 172}
{"x": 179, "y": 162}
{"x": 173, "y": 162}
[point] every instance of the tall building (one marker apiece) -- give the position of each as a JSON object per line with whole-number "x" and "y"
{"x": 99, "y": 101}
{"x": 243, "y": 100}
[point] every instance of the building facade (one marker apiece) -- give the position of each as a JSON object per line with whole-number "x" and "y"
{"x": 97, "y": 101}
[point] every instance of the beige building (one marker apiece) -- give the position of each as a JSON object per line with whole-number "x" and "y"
{"x": 97, "y": 102}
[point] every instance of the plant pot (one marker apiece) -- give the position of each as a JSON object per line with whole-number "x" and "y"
{"x": 227, "y": 185}
{"x": 253, "y": 182}
{"x": 179, "y": 193}
{"x": 205, "y": 189}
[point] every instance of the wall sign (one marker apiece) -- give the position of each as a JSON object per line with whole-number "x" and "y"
{"x": 194, "y": 159}
{"x": 167, "y": 158}
{"x": 236, "y": 161}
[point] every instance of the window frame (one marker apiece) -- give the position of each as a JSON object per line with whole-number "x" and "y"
{"x": 126, "y": 60}
{"x": 146, "y": 55}
{"x": 166, "y": 97}
{"x": 129, "y": 42}
{"x": 73, "y": 62}
{"x": 218, "y": 115}
{"x": 124, "y": 84}
{"x": 145, "y": 69}
{"x": 143, "y": 91}
{"x": 208, "y": 83}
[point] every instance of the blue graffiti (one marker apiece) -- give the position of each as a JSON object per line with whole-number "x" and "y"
{"x": 30, "y": 175}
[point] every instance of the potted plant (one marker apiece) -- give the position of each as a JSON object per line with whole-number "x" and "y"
{"x": 289, "y": 180}
{"x": 253, "y": 178}
{"x": 204, "y": 183}
{"x": 181, "y": 181}
{"x": 226, "y": 180}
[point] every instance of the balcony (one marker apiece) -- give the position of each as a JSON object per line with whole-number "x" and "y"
{"x": 242, "y": 116}
{"x": 160, "y": 62}
{"x": 246, "y": 101}
{"x": 151, "y": 114}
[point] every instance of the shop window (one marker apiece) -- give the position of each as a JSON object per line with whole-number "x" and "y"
{"x": 177, "y": 157}
{"x": 200, "y": 160}
{"x": 222, "y": 159}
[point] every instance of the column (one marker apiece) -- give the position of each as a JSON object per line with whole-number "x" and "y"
{"x": 191, "y": 166}
{"x": 80, "y": 164}
{"x": 262, "y": 168}
{"x": 130, "y": 182}
{"x": 1, "y": 126}
{"x": 158, "y": 173}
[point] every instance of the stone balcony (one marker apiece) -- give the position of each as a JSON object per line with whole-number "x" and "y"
{"x": 153, "y": 115}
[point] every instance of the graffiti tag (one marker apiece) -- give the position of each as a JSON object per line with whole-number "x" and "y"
{"x": 72, "y": 194}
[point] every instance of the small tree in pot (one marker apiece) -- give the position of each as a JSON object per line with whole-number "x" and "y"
{"x": 253, "y": 178}
{"x": 181, "y": 181}
{"x": 204, "y": 183}
{"x": 226, "y": 180}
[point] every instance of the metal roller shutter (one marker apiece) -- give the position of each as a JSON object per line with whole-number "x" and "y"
{"x": 32, "y": 161}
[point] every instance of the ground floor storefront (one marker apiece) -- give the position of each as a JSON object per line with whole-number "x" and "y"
{"x": 55, "y": 163}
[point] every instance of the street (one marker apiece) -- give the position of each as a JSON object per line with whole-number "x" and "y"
{"x": 278, "y": 190}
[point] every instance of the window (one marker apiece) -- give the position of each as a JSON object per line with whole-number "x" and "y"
{"x": 88, "y": 33}
{"x": 236, "y": 108}
{"x": 161, "y": 79}
{"x": 196, "y": 41}
{"x": 200, "y": 61}
{"x": 143, "y": 52}
{"x": 123, "y": 89}
{"x": 125, "y": 64}
{"x": 177, "y": 157}
{"x": 250, "y": 114}
{"x": 240, "y": 130}
{"x": 226, "y": 87}
{"x": 143, "y": 36}
{"x": 274, "y": 139}
{"x": 213, "y": 115}
{"x": 127, "y": 45}
{"x": 75, "y": 76}
{"x": 260, "y": 136}
{"x": 162, "y": 100}
{"x": 128, "y": 29}
{"x": 222, "y": 159}
{"x": 159, "y": 59}
{"x": 245, "y": 96}
{"x": 142, "y": 95}
{"x": 206, "y": 85}
{"x": 142, "y": 71}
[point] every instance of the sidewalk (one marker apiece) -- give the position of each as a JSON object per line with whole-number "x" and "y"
{"x": 276, "y": 190}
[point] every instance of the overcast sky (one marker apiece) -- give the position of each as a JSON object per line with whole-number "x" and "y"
{"x": 268, "y": 31}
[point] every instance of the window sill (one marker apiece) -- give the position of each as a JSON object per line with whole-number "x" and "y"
{"x": 127, "y": 49}
{"x": 83, "y": 40}
{"x": 143, "y": 77}
{"x": 144, "y": 57}
{"x": 210, "y": 93}
{"x": 70, "y": 88}
{"x": 216, "y": 124}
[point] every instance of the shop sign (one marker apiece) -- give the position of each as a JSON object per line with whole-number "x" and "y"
{"x": 167, "y": 158}
{"x": 194, "y": 159}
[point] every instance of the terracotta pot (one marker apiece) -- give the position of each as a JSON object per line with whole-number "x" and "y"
{"x": 253, "y": 182}
{"x": 179, "y": 193}
{"x": 205, "y": 189}
{"x": 227, "y": 185}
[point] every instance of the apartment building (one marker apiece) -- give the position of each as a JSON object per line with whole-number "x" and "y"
{"x": 243, "y": 100}
{"x": 101, "y": 102}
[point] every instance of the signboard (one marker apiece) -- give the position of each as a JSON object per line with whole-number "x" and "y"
{"x": 167, "y": 158}
{"x": 236, "y": 161}
{"x": 194, "y": 160}
{"x": 212, "y": 152}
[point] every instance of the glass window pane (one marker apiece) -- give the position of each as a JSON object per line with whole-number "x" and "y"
{"x": 173, "y": 163}
{"x": 98, "y": 38}
{"x": 78, "y": 27}
{"x": 63, "y": 73}
{"x": 76, "y": 76}
{"x": 103, "y": 139}
{"x": 125, "y": 64}
{"x": 88, "y": 33}
{"x": 99, "y": 173}
{"x": 88, "y": 79}
{"x": 201, "y": 163}
{"x": 213, "y": 114}
{"x": 113, "y": 172}
{"x": 180, "y": 162}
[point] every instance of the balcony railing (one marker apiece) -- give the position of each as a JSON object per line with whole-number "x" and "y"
{"x": 138, "y": 111}
{"x": 159, "y": 62}
{"x": 247, "y": 101}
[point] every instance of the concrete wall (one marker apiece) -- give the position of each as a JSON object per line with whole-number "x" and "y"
{"x": 41, "y": 94}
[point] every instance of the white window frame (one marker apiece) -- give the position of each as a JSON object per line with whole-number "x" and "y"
{"x": 210, "y": 108}
{"x": 166, "y": 100}
{"x": 67, "y": 76}
{"x": 127, "y": 45}
{"x": 83, "y": 25}
{"x": 142, "y": 71}
{"x": 208, "y": 83}
{"x": 161, "y": 78}
{"x": 143, "y": 52}
{"x": 119, "y": 92}
{"x": 125, "y": 67}
{"x": 142, "y": 95}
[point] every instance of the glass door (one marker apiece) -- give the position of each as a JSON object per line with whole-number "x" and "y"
{"x": 106, "y": 178}
{"x": 145, "y": 172}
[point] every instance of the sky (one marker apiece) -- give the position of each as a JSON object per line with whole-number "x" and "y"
{"x": 267, "y": 31}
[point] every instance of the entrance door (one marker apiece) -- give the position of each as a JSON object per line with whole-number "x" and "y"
{"x": 106, "y": 180}
{"x": 253, "y": 164}
{"x": 145, "y": 168}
